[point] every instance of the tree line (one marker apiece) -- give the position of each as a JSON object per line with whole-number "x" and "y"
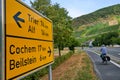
{"x": 110, "y": 38}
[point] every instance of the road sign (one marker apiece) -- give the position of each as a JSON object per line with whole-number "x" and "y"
{"x": 28, "y": 39}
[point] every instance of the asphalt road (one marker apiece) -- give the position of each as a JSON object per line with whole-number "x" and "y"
{"x": 114, "y": 51}
{"x": 104, "y": 71}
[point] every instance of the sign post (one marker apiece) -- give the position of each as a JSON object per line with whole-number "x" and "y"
{"x": 50, "y": 72}
{"x": 28, "y": 40}
{"x": 0, "y": 40}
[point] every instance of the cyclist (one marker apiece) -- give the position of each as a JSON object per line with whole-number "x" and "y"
{"x": 103, "y": 53}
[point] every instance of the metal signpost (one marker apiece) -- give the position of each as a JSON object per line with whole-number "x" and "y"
{"x": 0, "y": 40}
{"x": 27, "y": 39}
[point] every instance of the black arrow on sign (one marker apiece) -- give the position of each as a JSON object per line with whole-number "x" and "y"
{"x": 49, "y": 51}
{"x": 17, "y": 19}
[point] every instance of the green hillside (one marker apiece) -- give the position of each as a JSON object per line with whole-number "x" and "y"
{"x": 99, "y": 22}
{"x": 103, "y": 13}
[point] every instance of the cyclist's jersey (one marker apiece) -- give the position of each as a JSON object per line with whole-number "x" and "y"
{"x": 104, "y": 50}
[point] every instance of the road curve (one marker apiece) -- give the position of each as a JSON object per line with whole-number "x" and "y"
{"x": 104, "y": 71}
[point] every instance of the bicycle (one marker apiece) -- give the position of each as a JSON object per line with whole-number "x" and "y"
{"x": 105, "y": 58}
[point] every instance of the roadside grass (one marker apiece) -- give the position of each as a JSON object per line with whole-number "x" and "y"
{"x": 37, "y": 75}
{"x": 87, "y": 71}
{"x": 80, "y": 69}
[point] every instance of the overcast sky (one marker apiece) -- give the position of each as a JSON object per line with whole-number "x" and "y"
{"x": 81, "y": 7}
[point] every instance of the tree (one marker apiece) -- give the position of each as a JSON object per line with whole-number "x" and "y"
{"x": 113, "y": 41}
{"x": 73, "y": 42}
{"x": 61, "y": 21}
{"x": 41, "y": 5}
{"x": 62, "y": 27}
{"x": 118, "y": 41}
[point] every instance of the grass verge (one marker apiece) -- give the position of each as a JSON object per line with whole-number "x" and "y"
{"x": 87, "y": 71}
{"x": 42, "y": 72}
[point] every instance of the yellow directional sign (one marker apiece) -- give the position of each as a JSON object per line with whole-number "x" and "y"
{"x": 25, "y": 22}
{"x": 28, "y": 40}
